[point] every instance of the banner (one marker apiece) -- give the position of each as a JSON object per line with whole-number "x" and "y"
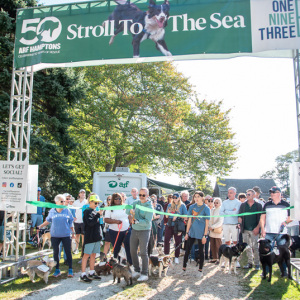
{"x": 13, "y": 187}
{"x": 110, "y": 32}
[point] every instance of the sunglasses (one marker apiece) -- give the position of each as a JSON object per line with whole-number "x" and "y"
{"x": 248, "y": 194}
{"x": 274, "y": 192}
{"x": 142, "y": 195}
{"x": 174, "y": 197}
{"x": 118, "y": 199}
{"x": 62, "y": 201}
{"x": 210, "y": 200}
{"x": 217, "y": 202}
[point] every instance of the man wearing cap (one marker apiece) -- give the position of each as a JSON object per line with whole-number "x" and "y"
{"x": 78, "y": 221}
{"x": 37, "y": 219}
{"x": 92, "y": 238}
{"x": 275, "y": 216}
{"x": 257, "y": 191}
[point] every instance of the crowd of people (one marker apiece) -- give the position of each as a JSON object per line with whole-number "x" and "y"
{"x": 197, "y": 227}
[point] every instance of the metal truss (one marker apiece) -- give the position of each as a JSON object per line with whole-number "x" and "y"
{"x": 20, "y": 115}
{"x": 296, "y": 59}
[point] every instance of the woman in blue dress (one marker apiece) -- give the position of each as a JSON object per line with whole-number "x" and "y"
{"x": 197, "y": 229}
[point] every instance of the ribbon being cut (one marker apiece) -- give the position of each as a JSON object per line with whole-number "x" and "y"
{"x": 118, "y": 207}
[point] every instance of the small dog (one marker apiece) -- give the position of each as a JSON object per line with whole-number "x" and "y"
{"x": 230, "y": 254}
{"x": 103, "y": 267}
{"x": 160, "y": 263}
{"x": 46, "y": 237}
{"x": 153, "y": 24}
{"x": 268, "y": 257}
{"x": 120, "y": 271}
{"x": 32, "y": 269}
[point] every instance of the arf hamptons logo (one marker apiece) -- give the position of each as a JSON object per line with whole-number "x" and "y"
{"x": 46, "y": 30}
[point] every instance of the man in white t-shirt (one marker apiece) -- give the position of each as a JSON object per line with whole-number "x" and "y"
{"x": 78, "y": 221}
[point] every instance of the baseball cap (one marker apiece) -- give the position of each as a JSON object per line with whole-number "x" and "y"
{"x": 82, "y": 190}
{"x": 274, "y": 189}
{"x": 257, "y": 189}
{"x": 94, "y": 198}
{"x": 39, "y": 189}
{"x": 66, "y": 194}
{"x": 176, "y": 195}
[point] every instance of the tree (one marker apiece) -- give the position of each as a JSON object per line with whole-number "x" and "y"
{"x": 147, "y": 117}
{"x": 55, "y": 91}
{"x": 281, "y": 171}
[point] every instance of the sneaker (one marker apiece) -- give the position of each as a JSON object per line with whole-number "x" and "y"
{"x": 238, "y": 264}
{"x": 57, "y": 273}
{"x": 143, "y": 278}
{"x": 257, "y": 267}
{"x": 85, "y": 279}
{"x": 76, "y": 251}
{"x": 135, "y": 274}
{"x": 248, "y": 266}
{"x": 95, "y": 276}
{"x": 70, "y": 273}
{"x": 176, "y": 261}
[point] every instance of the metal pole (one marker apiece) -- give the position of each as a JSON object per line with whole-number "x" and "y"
{"x": 296, "y": 60}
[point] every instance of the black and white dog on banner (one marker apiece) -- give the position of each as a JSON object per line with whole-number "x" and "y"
{"x": 151, "y": 25}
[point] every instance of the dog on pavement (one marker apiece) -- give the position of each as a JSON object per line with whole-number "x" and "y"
{"x": 120, "y": 271}
{"x": 152, "y": 24}
{"x": 160, "y": 263}
{"x": 269, "y": 256}
{"x": 33, "y": 268}
{"x": 229, "y": 254}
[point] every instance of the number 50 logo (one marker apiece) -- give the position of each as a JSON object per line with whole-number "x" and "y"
{"x": 48, "y": 30}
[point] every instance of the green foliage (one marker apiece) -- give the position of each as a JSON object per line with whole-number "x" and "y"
{"x": 281, "y": 171}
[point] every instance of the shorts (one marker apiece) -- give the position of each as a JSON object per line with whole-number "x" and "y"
{"x": 107, "y": 236}
{"x": 230, "y": 232}
{"x": 79, "y": 228}
{"x": 92, "y": 248}
{"x": 36, "y": 220}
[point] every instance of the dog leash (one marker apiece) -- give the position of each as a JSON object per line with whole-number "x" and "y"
{"x": 176, "y": 247}
{"x": 119, "y": 227}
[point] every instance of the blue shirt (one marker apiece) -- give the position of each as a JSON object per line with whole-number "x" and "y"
{"x": 130, "y": 200}
{"x": 41, "y": 210}
{"x": 181, "y": 211}
{"x": 227, "y": 208}
{"x": 198, "y": 224}
{"x": 61, "y": 222}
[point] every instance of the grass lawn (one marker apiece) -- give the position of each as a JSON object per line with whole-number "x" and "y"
{"x": 278, "y": 288}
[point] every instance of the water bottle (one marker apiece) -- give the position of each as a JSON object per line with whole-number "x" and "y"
{"x": 281, "y": 228}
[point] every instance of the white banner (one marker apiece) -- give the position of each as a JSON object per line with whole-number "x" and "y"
{"x": 13, "y": 188}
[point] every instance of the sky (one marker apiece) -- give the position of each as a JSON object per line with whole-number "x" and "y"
{"x": 261, "y": 95}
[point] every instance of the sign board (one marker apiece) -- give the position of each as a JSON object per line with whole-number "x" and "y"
{"x": 107, "y": 183}
{"x": 295, "y": 190}
{"x": 13, "y": 189}
{"x": 82, "y": 34}
{"x": 32, "y": 185}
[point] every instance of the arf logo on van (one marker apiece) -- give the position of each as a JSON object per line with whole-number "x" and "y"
{"x": 47, "y": 30}
{"x": 113, "y": 184}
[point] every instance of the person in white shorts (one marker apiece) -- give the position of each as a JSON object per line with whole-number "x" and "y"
{"x": 231, "y": 206}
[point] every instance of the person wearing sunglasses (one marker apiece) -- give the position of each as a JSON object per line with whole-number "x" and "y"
{"x": 176, "y": 207}
{"x": 250, "y": 227}
{"x": 118, "y": 221}
{"x": 140, "y": 234}
{"x": 61, "y": 231}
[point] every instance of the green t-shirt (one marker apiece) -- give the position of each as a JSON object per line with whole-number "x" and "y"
{"x": 250, "y": 222}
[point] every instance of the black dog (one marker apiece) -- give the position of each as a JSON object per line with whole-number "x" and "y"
{"x": 152, "y": 24}
{"x": 295, "y": 245}
{"x": 268, "y": 257}
{"x": 231, "y": 254}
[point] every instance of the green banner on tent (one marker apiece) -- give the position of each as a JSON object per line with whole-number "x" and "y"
{"x": 84, "y": 33}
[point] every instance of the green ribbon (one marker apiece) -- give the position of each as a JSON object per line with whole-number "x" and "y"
{"x": 118, "y": 207}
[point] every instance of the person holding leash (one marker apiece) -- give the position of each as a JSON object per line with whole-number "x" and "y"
{"x": 140, "y": 234}
{"x": 197, "y": 229}
{"x": 92, "y": 238}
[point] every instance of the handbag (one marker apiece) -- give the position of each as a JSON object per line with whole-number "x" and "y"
{"x": 169, "y": 223}
{"x": 218, "y": 230}
{"x": 179, "y": 225}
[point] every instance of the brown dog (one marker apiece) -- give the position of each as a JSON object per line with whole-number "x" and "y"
{"x": 103, "y": 267}
{"x": 160, "y": 263}
{"x": 46, "y": 237}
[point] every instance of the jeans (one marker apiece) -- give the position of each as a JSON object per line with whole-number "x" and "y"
{"x": 66, "y": 241}
{"x": 139, "y": 238}
{"x": 190, "y": 243}
{"x": 124, "y": 237}
{"x": 160, "y": 231}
